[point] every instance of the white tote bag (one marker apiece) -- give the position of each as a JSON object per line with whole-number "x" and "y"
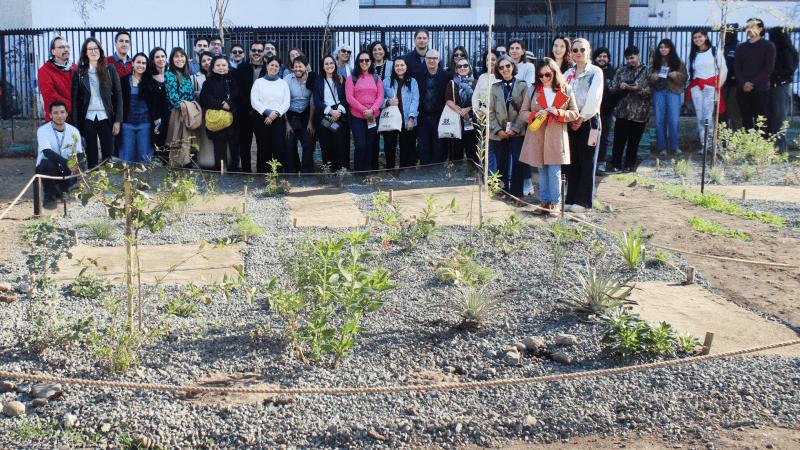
{"x": 450, "y": 122}
{"x": 391, "y": 119}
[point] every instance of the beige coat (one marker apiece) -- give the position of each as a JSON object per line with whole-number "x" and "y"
{"x": 549, "y": 144}
{"x": 500, "y": 114}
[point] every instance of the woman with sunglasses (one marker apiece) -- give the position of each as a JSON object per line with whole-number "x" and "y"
{"x": 586, "y": 81}
{"x": 220, "y": 93}
{"x": 383, "y": 68}
{"x": 458, "y": 53}
{"x": 560, "y": 53}
{"x": 403, "y": 93}
{"x": 330, "y": 116}
{"x": 508, "y": 127}
{"x": 667, "y": 78}
{"x": 548, "y": 147}
{"x": 458, "y": 97}
{"x": 364, "y": 90}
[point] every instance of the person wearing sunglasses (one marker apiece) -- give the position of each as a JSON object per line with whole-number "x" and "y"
{"x": 632, "y": 111}
{"x": 245, "y": 75}
{"x": 236, "y": 55}
{"x": 506, "y": 99}
{"x": 458, "y": 97}
{"x": 501, "y": 50}
{"x": 343, "y": 64}
{"x": 458, "y": 53}
{"x": 586, "y": 81}
{"x": 548, "y": 147}
{"x": 364, "y": 91}
{"x": 55, "y": 76}
{"x": 96, "y": 101}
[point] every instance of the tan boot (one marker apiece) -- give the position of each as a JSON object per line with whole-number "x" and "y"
{"x": 555, "y": 209}
{"x": 541, "y": 210}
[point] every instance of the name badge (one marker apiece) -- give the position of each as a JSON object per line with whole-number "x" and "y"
{"x": 508, "y": 126}
{"x": 593, "y": 136}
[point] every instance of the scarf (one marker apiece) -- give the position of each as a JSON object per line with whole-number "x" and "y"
{"x": 269, "y": 78}
{"x": 464, "y": 89}
{"x": 66, "y": 67}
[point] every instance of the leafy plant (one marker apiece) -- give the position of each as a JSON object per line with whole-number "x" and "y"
{"x": 748, "y": 172}
{"x": 408, "y": 232}
{"x": 687, "y": 343}
{"x": 116, "y": 345}
{"x": 604, "y": 287}
{"x": 101, "y": 228}
{"x": 631, "y": 336}
{"x": 716, "y": 174}
{"x": 461, "y": 268}
{"x": 560, "y": 235}
{"x": 715, "y": 228}
{"x": 275, "y": 184}
{"x": 631, "y": 247}
{"x": 46, "y": 243}
{"x": 474, "y": 305}
{"x": 661, "y": 257}
{"x": 681, "y": 167}
{"x": 754, "y": 144}
{"x": 180, "y": 306}
{"x": 32, "y": 428}
{"x": 504, "y": 236}
{"x": 244, "y": 225}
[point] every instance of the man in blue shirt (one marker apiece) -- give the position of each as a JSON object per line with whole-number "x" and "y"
{"x": 432, "y": 84}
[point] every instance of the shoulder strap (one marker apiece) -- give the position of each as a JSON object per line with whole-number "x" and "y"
{"x": 377, "y": 79}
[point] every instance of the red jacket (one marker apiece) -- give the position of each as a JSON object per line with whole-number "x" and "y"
{"x": 55, "y": 84}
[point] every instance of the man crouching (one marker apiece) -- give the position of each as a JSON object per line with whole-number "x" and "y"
{"x": 58, "y": 142}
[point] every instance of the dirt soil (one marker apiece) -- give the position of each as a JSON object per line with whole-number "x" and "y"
{"x": 14, "y": 175}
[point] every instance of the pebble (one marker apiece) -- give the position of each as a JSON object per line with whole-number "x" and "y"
{"x": 39, "y": 402}
{"x": 69, "y": 420}
{"x": 13, "y": 409}
{"x": 566, "y": 339}
{"x": 45, "y": 390}
{"x": 520, "y": 346}
{"x": 7, "y": 386}
{"x": 5, "y": 287}
{"x": 532, "y": 343}
{"x": 10, "y": 298}
{"x": 512, "y": 358}
{"x": 563, "y": 358}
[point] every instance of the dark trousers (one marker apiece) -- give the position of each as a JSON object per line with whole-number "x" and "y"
{"x": 334, "y": 146}
{"x": 466, "y": 147}
{"x": 270, "y": 141}
{"x": 507, "y": 152}
{"x": 247, "y": 126}
{"x": 429, "y": 145}
{"x": 607, "y": 122}
{"x": 732, "y": 116}
{"x": 408, "y": 147}
{"x": 580, "y": 171}
{"x": 160, "y": 140}
{"x": 752, "y": 104}
{"x": 298, "y": 124}
{"x": 53, "y": 188}
{"x": 630, "y": 133}
{"x": 375, "y": 152}
{"x": 363, "y": 137}
{"x": 92, "y": 130}
{"x": 221, "y": 146}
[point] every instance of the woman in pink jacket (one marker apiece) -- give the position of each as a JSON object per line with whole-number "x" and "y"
{"x": 364, "y": 91}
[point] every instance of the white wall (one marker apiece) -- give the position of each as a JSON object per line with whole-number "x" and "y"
{"x": 476, "y": 14}
{"x": 709, "y": 13}
{"x": 193, "y": 13}
{"x": 638, "y": 16}
{"x": 15, "y": 14}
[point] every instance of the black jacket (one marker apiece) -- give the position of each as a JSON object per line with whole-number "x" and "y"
{"x": 610, "y": 99}
{"x": 154, "y": 95}
{"x": 319, "y": 98}
{"x": 217, "y": 89}
{"x": 441, "y": 78}
{"x": 785, "y": 67}
{"x": 243, "y": 76}
{"x": 82, "y": 93}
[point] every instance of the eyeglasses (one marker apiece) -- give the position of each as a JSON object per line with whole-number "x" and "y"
{"x": 545, "y": 75}
{"x": 253, "y": 50}
{"x": 92, "y": 49}
{"x": 579, "y": 50}
{"x": 505, "y": 67}
{"x": 362, "y": 61}
{"x": 63, "y": 47}
{"x": 237, "y": 52}
{"x": 459, "y": 54}
{"x": 432, "y": 58}
{"x": 461, "y": 66}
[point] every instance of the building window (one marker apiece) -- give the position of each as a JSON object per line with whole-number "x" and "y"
{"x": 414, "y": 3}
{"x": 536, "y": 13}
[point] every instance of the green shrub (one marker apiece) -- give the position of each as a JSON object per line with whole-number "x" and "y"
{"x": 754, "y": 144}
{"x": 630, "y": 336}
{"x": 560, "y": 235}
{"x": 681, "y": 167}
{"x": 715, "y": 228}
{"x": 474, "y": 305}
{"x": 716, "y": 174}
{"x": 245, "y": 225}
{"x": 100, "y": 228}
{"x": 462, "y": 268}
{"x": 275, "y": 184}
{"x": 631, "y": 247}
{"x": 408, "y": 232}
{"x": 661, "y": 257}
{"x": 504, "y": 236}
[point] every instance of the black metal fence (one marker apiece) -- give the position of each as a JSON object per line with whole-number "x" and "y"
{"x": 24, "y": 51}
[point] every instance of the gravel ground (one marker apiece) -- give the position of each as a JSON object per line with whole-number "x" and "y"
{"x": 408, "y": 338}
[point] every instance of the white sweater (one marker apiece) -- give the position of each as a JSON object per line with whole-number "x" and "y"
{"x": 268, "y": 96}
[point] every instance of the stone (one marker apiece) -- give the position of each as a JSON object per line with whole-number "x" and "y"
{"x": 566, "y": 339}
{"x": 532, "y": 343}
{"x": 512, "y": 358}
{"x": 490, "y": 353}
{"x": 493, "y": 415}
{"x": 520, "y": 346}
{"x": 39, "y": 402}
{"x": 449, "y": 369}
{"x": 375, "y": 435}
{"x": 10, "y": 298}
{"x": 69, "y": 420}
{"x": 622, "y": 194}
{"x": 144, "y": 442}
{"x": 5, "y": 287}
{"x": 333, "y": 429}
{"x": 45, "y": 390}
{"x": 529, "y": 422}
{"x": 13, "y": 409}
{"x": 578, "y": 216}
{"x": 24, "y": 288}
{"x": 561, "y": 357}
{"x": 458, "y": 428}
{"x": 6, "y": 386}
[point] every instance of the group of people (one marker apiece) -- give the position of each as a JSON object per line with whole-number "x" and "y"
{"x": 152, "y": 102}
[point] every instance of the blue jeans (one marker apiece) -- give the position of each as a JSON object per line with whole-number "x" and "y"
{"x": 363, "y": 137}
{"x": 550, "y": 183}
{"x": 778, "y": 111}
{"x": 512, "y": 171}
{"x": 667, "y": 107}
{"x": 429, "y": 146}
{"x": 136, "y": 146}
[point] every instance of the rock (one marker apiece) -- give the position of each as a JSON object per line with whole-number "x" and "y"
{"x": 458, "y": 428}
{"x": 69, "y": 420}
{"x": 105, "y": 427}
{"x": 144, "y": 442}
{"x": 566, "y": 339}
{"x": 579, "y": 216}
{"x": 490, "y": 354}
{"x": 609, "y": 208}
{"x": 333, "y": 429}
{"x": 6, "y": 386}
{"x": 374, "y": 435}
{"x": 512, "y": 358}
{"x": 529, "y": 422}
{"x": 449, "y": 369}
{"x": 633, "y": 183}
{"x": 45, "y": 390}
{"x": 412, "y": 411}
{"x": 520, "y": 346}
{"x": 561, "y": 357}
{"x": 24, "y": 288}
{"x": 13, "y": 409}
{"x": 532, "y": 343}
{"x": 11, "y": 298}
{"x": 493, "y": 415}
{"x": 5, "y": 287}
{"x": 622, "y": 194}
{"x": 39, "y": 402}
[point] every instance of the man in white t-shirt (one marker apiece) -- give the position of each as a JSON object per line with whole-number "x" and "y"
{"x": 58, "y": 141}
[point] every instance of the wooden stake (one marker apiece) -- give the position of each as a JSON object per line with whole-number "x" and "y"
{"x": 244, "y": 207}
{"x": 683, "y": 181}
{"x": 37, "y": 197}
{"x": 221, "y": 167}
{"x": 244, "y": 236}
{"x": 294, "y": 222}
{"x": 690, "y": 275}
{"x": 658, "y": 164}
{"x": 391, "y": 195}
{"x": 129, "y": 249}
{"x": 744, "y": 194}
{"x": 245, "y": 192}
{"x": 75, "y": 236}
{"x": 366, "y": 221}
{"x": 707, "y": 342}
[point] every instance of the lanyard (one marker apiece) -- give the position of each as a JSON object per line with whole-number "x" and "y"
{"x": 510, "y": 89}
{"x": 333, "y": 93}
{"x": 59, "y": 141}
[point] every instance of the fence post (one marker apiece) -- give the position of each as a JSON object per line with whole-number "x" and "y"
{"x": 3, "y": 77}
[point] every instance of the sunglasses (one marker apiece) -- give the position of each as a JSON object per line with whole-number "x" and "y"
{"x": 364, "y": 60}
{"x": 545, "y": 75}
{"x": 458, "y": 54}
{"x": 461, "y": 66}
{"x": 253, "y": 50}
{"x": 237, "y": 52}
{"x": 579, "y": 50}
{"x": 346, "y": 51}
{"x": 505, "y": 67}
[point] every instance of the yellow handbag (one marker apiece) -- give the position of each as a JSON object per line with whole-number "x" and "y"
{"x": 218, "y": 119}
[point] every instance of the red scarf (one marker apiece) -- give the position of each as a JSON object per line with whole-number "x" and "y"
{"x": 712, "y": 82}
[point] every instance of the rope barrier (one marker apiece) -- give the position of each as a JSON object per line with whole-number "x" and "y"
{"x": 384, "y": 389}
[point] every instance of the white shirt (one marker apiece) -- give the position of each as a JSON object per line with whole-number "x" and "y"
{"x": 526, "y": 72}
{"x": 96, "y": 111}
{"x": 704, "y": 66}
{"x": 48, "y": 138}
{"x": 332, "y": 97}
{"x": 481, "y": 92}
{"x": 270, "y": 95}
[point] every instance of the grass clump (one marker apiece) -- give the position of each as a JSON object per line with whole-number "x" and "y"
{"x": 504, "y": 236}
{"x": 661, "y": 257}
{"x": 715, "y": 228}
{"x": 631, "y": 247}
{"x": 474, "y": 305}
{"x": 100, "y": 228}
{"x": 559, "y": 236}
{"x": 716, "y": 174}
{"x": 712, "y": 201}
{"x": 244, "y": 225}
{"x": 603, "y": 287}
{"x": 681, "y": 167}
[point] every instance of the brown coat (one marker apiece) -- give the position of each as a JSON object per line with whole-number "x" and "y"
{"x": 549, "y": 144}
{"x": 500, "y": 114}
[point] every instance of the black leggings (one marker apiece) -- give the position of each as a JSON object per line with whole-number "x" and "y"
{"x": 408, "y": 147}
{"x": 580, "y": 171}
{"x": 630, "y": 133}
{"x": 270, "y": 140}
{"x": 92, "y": 130}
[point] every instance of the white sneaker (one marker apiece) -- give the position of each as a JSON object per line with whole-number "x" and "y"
{"x": 577, "y": 209}
{"x": 678, "y": 152}
{"x": 662, "y": 153}
{"x": 568, "y": 208}
{"x": 701, "y": 152}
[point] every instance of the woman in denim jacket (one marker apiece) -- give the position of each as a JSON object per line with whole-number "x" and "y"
{"x": 403, "y": 92}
